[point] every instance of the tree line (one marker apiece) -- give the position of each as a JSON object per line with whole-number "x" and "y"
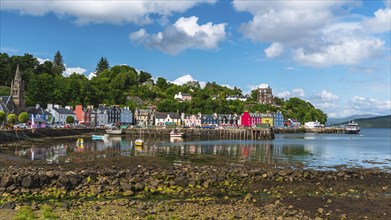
{"x": 124, "y": 85}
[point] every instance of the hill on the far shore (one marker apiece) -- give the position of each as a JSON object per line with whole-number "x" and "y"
{"x": 374, "y": 122}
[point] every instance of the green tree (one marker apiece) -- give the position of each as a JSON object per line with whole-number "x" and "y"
{"x": 102, "y": 65}
{"x": 69, "y": 119}
{"x": 58, "y": 64}
{"x": 3, "y": 116}
{"x": 12, "y": 118}
{"x": 41, "y": 89}
{"x": 144, "y": 77}
{"x": 23, "y": 117}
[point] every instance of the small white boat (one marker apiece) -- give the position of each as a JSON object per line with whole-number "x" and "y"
{"x": 175, "y": 134}
{"x": 114, "y": 130}
{"x": 99, "y": 137}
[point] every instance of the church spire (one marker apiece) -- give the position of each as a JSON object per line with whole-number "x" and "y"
{"x": 18, "y": 78}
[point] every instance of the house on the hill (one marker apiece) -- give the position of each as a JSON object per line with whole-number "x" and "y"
{"x": 183, "y": 96}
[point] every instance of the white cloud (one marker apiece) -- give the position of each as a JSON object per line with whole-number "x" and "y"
{"x": 380, "y": 23}
{"x": 327, "y": 96}
{"x": 284, "y": 94}
{"x": 101, "y": 11}
{"x": 298, "y": 92}
{"x": 274, "y": 50}
{"x": 184, "y": 34}
{"x": 369, "y": 104}
{"x": 357, "y": 106}
{"x": 187, "y": 78}
{"x": 348, "y": 52}
{"x": 263, "y": 86}
{"x": 42, "y": 60}
{"x": 69, "y": 70}
{"x": 92, "y": 74}
{"x": 321, "y": 33}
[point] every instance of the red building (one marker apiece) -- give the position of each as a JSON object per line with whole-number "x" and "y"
{"x": 79, "y": 113}
{"x": 245, "y": 120}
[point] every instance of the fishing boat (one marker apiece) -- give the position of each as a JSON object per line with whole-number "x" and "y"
{"x": 352, "y": 128}
{"x": 114, "y": 130}
{"x": 175, "y": 134}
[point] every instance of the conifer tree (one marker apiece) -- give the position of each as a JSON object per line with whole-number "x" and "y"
{"x": 102, "y": 65}
{"x": 58, "y": 64}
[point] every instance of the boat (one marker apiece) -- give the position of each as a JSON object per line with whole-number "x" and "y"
{"x": 99, "y": 137}
{"x": 352, "y": 128}
{"x": 175, "y": 134}
{"x": 114, "y": 130}
{"x": 138, "y": 143}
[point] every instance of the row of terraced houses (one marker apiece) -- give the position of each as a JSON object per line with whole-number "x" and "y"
{"x": 103, "y": 115}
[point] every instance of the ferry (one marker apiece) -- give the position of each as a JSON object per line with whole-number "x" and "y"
{"x": 352, "y": 128}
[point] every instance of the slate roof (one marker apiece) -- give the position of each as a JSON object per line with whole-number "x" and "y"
{"x": 64, "y": 111}
{"x": 173, "y": 115}
{"x": 36, "y": 111}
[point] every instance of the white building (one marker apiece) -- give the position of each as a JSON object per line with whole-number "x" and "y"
{"x": 59, "y": 113}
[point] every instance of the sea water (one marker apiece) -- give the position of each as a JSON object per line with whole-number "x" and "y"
{"x": 370, "y": 149}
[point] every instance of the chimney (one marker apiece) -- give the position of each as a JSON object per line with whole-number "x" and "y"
{"x": 50, "y": 106}
{"x": 37, "y": 106}
{"x": 56, "y": 106}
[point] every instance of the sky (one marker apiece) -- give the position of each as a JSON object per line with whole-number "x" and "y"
{"x": 335, "y": 54}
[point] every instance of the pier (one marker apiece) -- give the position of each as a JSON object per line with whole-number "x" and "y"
{"x": 224, "y": 134}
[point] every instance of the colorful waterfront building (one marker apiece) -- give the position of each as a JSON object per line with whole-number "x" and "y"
{"x": 278, "y": 120}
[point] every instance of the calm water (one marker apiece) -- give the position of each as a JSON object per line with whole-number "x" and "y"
{"x": 370, "y": 148}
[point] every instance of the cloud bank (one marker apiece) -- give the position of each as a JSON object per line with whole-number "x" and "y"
{"x": 318, "y": 33}
{"x": 102, "y": 11}
{"x": 185, "y": 33}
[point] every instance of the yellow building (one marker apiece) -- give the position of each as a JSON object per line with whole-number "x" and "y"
{"x": 267, "y": 119}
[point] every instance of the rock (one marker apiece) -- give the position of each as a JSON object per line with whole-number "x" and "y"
{"x": 27, "y": 182}
{"x": 282, "y": 173}
{"x": 154, "y": 183}
{"x": 128, "y": 193}
{"x": 6, "y": 181}
{"x": 8, "y": 205}
{"x": 320, "y": 210}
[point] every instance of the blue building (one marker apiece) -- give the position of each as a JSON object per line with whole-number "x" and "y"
{"x": 126, "y": 116}
{"x": 209, "y": 120}
{"x": 278, "y": 120}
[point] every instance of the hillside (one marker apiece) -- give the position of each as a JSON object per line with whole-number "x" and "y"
{"x": 338, "y": 121}
{"x": 374, "y": 122}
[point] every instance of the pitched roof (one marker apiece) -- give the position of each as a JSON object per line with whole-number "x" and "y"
{"x": 64, "y": 111}
{"x": 34, "y": 110}
{"x": 173, "y": 115}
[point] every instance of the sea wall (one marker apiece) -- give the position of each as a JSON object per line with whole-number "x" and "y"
{"x": 27, "y": 134}
{"x": 250, "y": 133}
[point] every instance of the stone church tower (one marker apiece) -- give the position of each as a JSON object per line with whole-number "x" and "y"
{"x": 17, "y": 92}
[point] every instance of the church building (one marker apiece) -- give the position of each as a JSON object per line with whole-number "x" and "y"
{"x": 15, "y": 103}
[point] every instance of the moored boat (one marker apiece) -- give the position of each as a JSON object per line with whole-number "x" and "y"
{"x": 352, "y": 128}
{"x": 175, "y": 134}
{"x": 99, "y": 137}
{"x": 114, "y": 130}
{"x": 138, "y": 142}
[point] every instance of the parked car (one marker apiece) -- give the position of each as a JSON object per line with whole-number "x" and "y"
{"x": 20, "y": 126}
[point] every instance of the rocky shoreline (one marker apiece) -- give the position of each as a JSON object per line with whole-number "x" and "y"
{"x": 149, "y": 188}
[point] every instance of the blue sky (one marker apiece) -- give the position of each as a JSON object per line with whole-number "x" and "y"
{"x": 335, "y": 54}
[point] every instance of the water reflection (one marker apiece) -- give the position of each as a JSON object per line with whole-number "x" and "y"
{"x": 310, "y": 149}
